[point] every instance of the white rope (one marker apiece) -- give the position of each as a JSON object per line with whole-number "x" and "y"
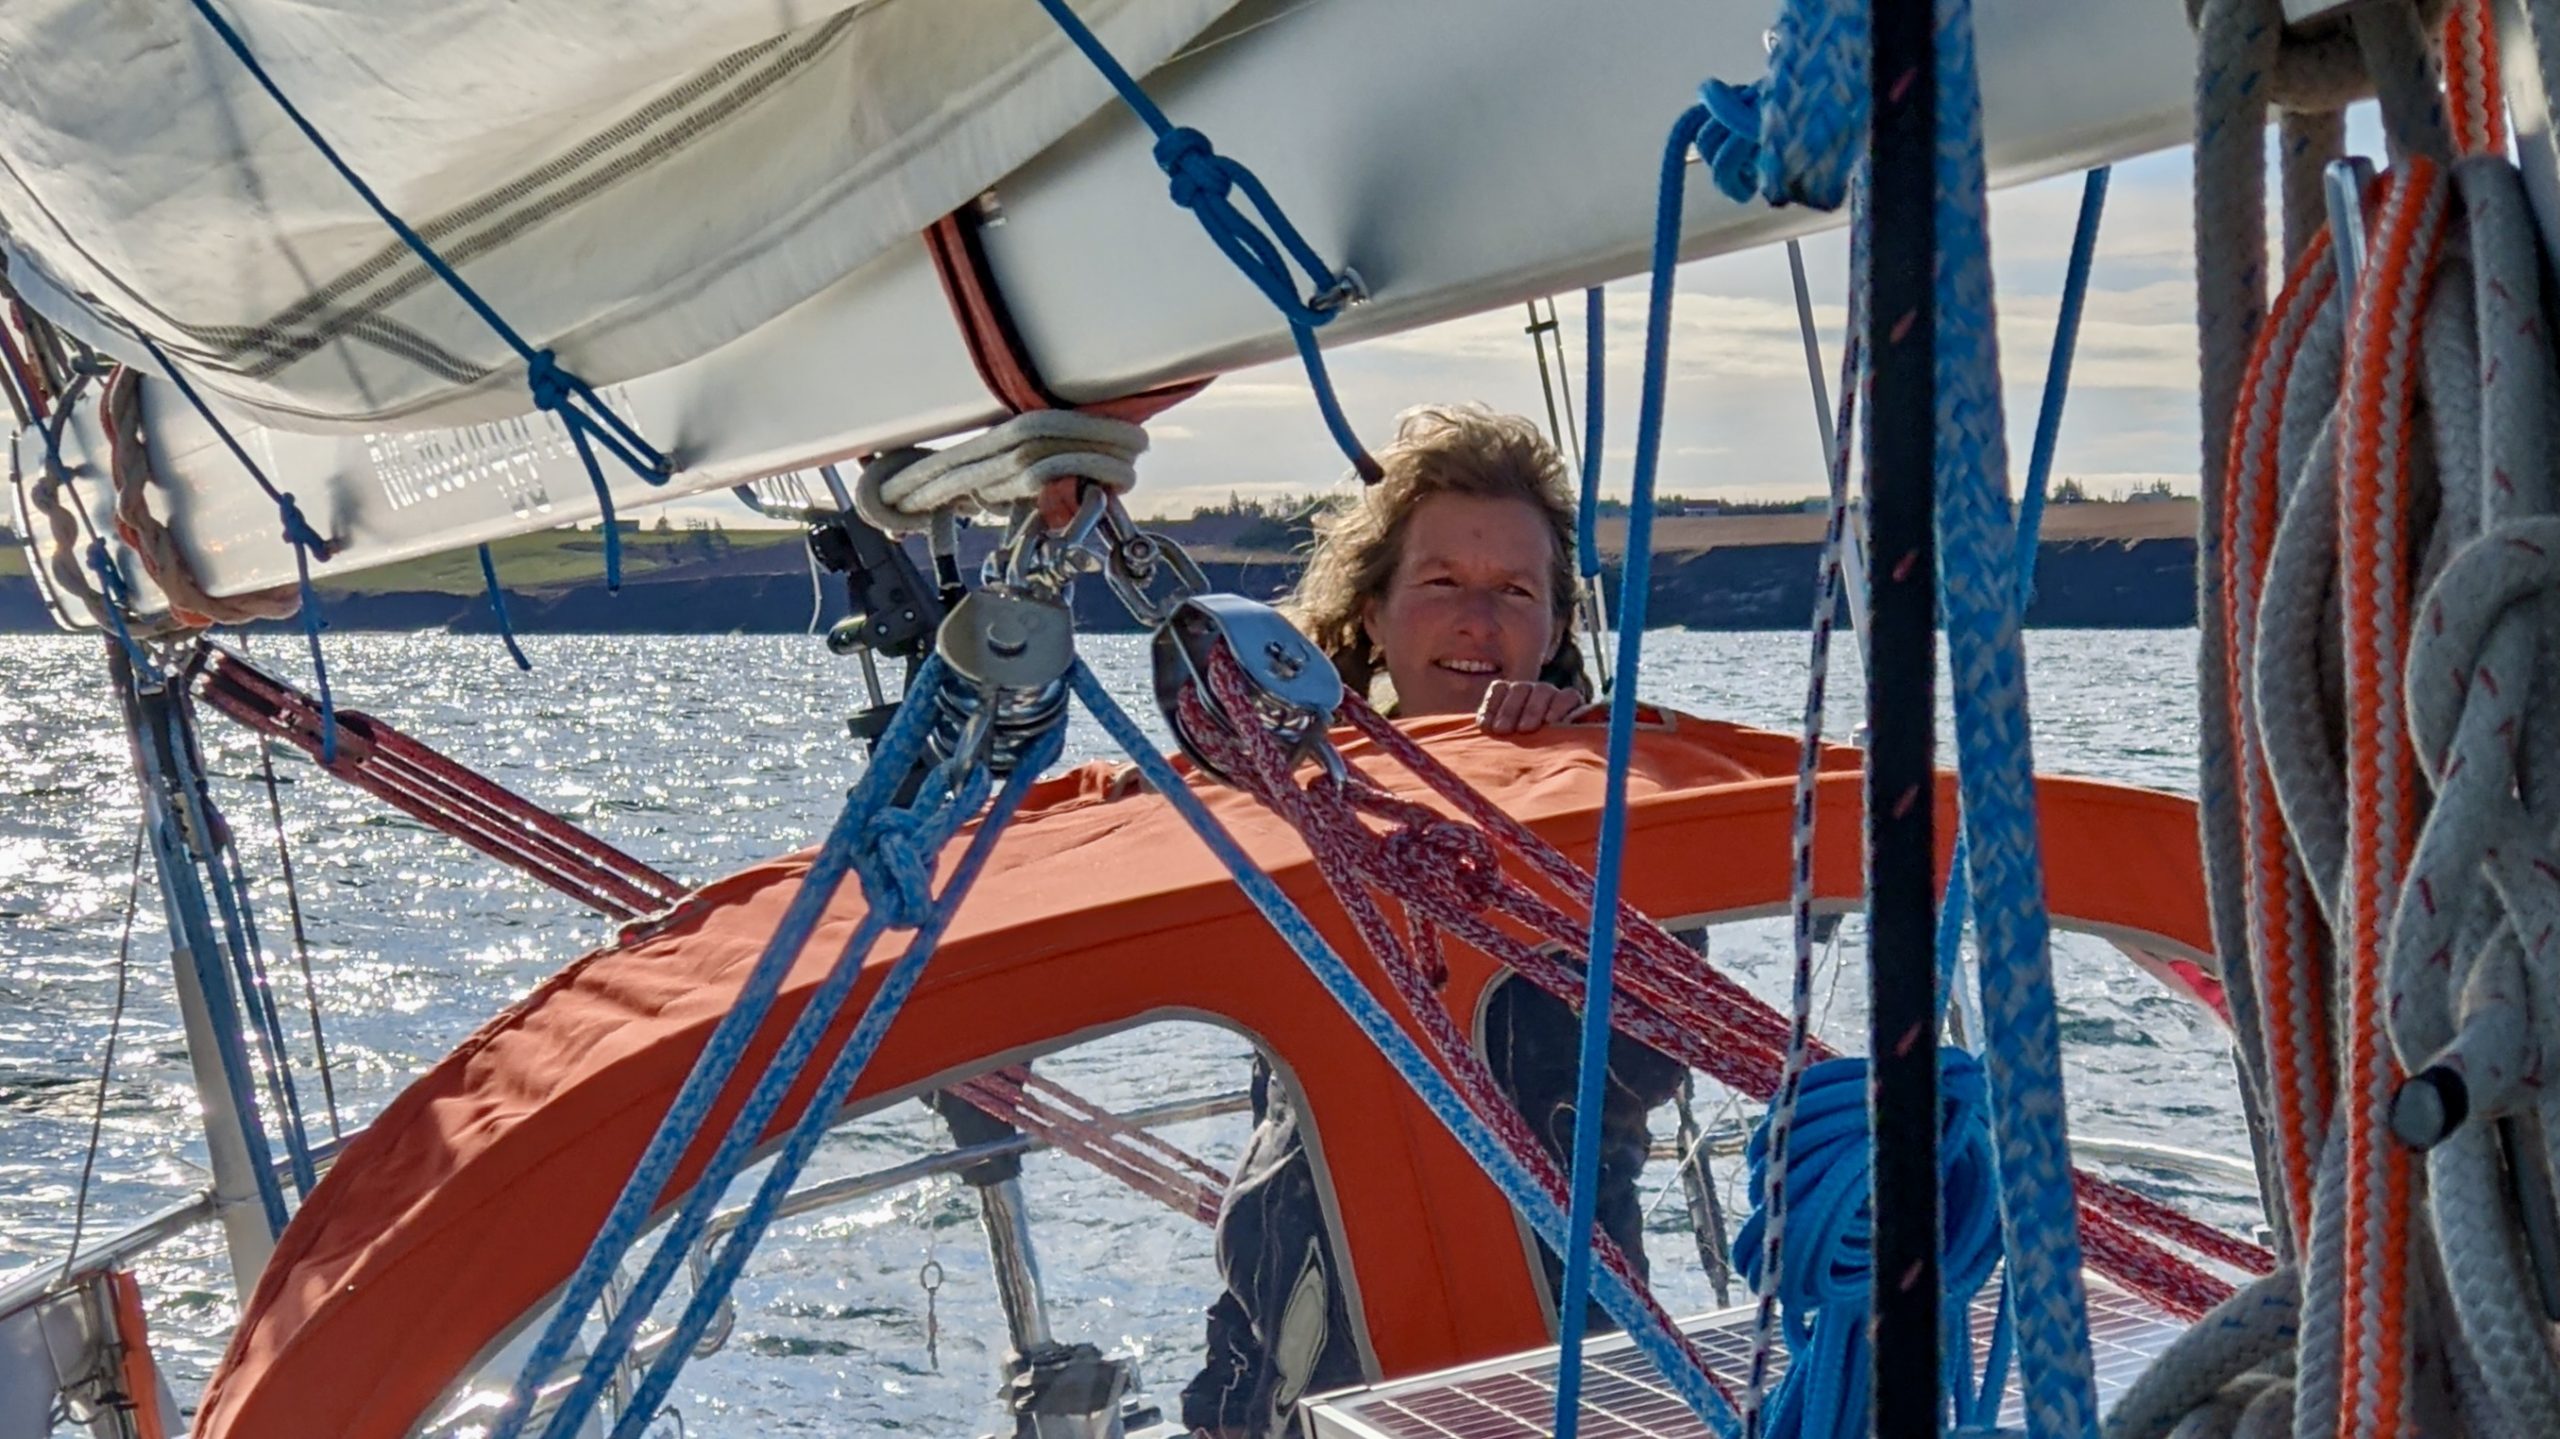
{"x": 1011, "y": 462}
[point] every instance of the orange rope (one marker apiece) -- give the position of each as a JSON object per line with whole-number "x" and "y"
{"x": 2377, "y": 426}
{"x": 2283, "y": 918}
{"x": 2475, "y": 102}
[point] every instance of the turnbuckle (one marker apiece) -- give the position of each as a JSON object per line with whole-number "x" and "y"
{"x": 1295, "y": 688}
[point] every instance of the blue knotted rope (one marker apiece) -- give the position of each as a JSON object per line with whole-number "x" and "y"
{"x": 712, "y": 1289}
{"x": 1509, "y": 1174}
{"x": 556, "y": 391}
{"x": 306, "y": 542}
{"x": 1635, "y": 581}
{"x": 498, "y": 608}
{"x": 1826, "y": 1274}
{"x": 721, "y": 1053}
{"x": 1262, "y": 245}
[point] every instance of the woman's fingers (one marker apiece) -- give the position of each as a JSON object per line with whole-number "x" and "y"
{"x": 1525, "y": 706}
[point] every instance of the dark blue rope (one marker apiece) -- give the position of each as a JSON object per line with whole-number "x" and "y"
{"x": 306, "y": 541}
{"x": 111, "y": 589}
{"x": 721, "y": 1054}
{"x": 498, "y": 608}
{"x": 1634, "y": 581}
{"x": 1595, "y": 369}
{"x": 555, "y": 390}
{"x": 1205, "y": 182}
{"x": 836, "y": 1085}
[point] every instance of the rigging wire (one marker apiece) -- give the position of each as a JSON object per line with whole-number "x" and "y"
{"x": 107, "y": 1061}
{"x": 301, "y": 935}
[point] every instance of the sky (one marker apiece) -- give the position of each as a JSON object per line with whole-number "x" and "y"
{"x": 1739, "y": 417}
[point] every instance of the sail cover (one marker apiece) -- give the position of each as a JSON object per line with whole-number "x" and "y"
{"x": 630, "y": 182}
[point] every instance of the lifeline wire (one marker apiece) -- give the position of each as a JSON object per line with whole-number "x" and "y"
{"x": 106, "y": 1062}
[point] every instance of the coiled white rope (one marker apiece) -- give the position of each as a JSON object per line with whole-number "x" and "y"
{"x": 1011, "y": 462}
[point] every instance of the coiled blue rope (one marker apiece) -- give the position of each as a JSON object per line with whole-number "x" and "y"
{"x": 1826, "y": 1274}
{"x": 1508, "y": 1172}
{"x": 306, "y": 542}
{"x": 1205, "y": 183}
{"x": 1635, "y": 580}
{"x": 721, "y": 1053}
{"x": 556, "y": 391}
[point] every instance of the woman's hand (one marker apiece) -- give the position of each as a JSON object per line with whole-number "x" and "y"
{"x": 1526, "y": 706}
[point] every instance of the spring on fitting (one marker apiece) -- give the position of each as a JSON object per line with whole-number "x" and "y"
{"x": 1021, "y": 717}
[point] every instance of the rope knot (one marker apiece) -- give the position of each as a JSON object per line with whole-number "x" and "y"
{"x": 1199, "y": 174}
{"x": 548, "y": 382}
{"x": 895, "y": 863}
{"x": 1455, "y": 859}
{"x": 298, "y": 531}
{"x": 1730, "y": 142}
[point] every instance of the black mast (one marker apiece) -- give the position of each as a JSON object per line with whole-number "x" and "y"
{"x": 1902, "y": 1096}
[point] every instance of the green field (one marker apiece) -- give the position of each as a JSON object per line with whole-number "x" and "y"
{"x": 557, "y": 557}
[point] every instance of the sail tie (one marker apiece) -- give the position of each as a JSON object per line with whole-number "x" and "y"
{"x": 1261, "y": 245}
{"x": 556, "y": 391}
{"x": 308, "y": 544}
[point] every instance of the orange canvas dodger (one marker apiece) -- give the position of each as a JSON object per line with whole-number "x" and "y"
{"x": 475, "y": 1193}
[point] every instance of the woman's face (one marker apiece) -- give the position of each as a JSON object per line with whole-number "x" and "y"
{"x": 1471, "y": 601}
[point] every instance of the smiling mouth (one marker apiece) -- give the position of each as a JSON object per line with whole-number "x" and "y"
{"x": 1472, "y": 669}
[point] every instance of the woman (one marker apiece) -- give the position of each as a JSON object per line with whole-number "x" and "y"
{"x": 1446, "y": 588}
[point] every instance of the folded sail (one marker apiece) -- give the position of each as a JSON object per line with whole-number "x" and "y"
{"x": 633, "y": 182}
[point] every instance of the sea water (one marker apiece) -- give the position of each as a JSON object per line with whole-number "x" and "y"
{"x": 701, "y": 755}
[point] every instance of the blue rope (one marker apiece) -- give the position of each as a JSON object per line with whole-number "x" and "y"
{"x": 556, "y": 391}
{"x": 920, "y": 836}
{"x": 721, "y": 1053}
{"x": 1826, "y": 1273}
{"x": 306, "y": 542}
{"x": 1634, "y": 582}
{"x": 498, "y": 608}
{"x": 1204, "y": 182}
{"x": 1811, "y": 113}
{"x": 1595, "y": 370}
{"x": 257, "y": 996}
{"x": 2057, "y": 389}
{"x": 111, "y": 588}
{"x": 834, "y": 1087}
{"x": 1657, "y": 1343}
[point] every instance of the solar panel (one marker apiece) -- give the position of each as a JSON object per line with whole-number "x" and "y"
{"x": 1622, "y": 1398}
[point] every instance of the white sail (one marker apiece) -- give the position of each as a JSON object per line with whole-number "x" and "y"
{"x": 1460, "y": 154}
{"x": 633, "y": 182}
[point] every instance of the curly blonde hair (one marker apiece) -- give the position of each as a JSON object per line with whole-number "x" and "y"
{"x": 1438, "y": 450}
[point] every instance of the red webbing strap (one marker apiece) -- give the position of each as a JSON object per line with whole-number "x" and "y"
{"x": 1447, "y": 876}
{"x": 996, "y": 348}
{"x": 1347, "y": 852}
{"x": 1075, "y": 1126}
{"x": 431, "y": 788}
